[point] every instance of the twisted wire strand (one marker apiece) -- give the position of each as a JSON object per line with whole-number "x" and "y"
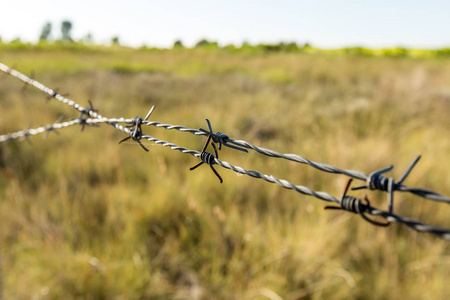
{"x": 424, "y": 193}
{"x": 252, "y": 173}
{"x": 411, "y": 223}
{"x": 45, "y": 89}
{"x": 281, "y": 182}
{"x": 390, "y": 217}
{"x": 174, "y": 127}
{"x": 54, "y": 94}
{"x": 35, "y": 131}
{"x": 267, "y": 152}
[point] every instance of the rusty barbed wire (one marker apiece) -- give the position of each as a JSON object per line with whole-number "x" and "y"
{"x": 353, "y": 204}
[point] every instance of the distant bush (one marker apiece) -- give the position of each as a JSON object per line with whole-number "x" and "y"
{"x": 115, "y": 41}
{"x": 16, "y": 44}
{"x": 177, "y": 44}
{"x": 45, "y": 32}
{"x": 360, "y": 51}
{"x": 66, "y": 28}
{"x": 203, "y": 43}
{"x": 443, "y": 52}
{"x": 86, "y": 44}
{"x": 280, "y": 47}
{"x": 396, "y": 52}
{"x": 231, "y": 47}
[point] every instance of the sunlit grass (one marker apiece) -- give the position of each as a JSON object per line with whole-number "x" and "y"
{"x": 85, "y": 218}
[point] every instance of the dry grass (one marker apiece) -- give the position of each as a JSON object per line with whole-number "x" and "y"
{"x": 84, "y": 218}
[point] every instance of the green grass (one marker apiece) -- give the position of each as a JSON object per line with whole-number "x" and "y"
{"x": 85, "y": 218}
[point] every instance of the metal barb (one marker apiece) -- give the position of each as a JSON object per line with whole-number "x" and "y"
{"x": 376, "y": 181}
{"x": 149, "y": 113}
{"x": 25, "y": 85}
{"x": 86, "y": 112}
{"x": 221, "y": 138}
{"x": 26, "y": 136}
{"x": 413, "y": 164}
{"x": 355, "y": 205}
{"x": 51, "y": 127}
{"x": 135, "y": 132}
{"x": 208, "y": 158}
{"x": 55, "y": 93}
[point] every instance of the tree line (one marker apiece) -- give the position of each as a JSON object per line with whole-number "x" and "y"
{"x": 66, "y": 36}
{"x": 65, "y": 40}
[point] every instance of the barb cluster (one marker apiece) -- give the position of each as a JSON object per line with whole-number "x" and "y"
{"x": 136, "y": 129}
{"x": 84, "y": 115}
{"x": 355, "y": 205}
{"x": 209, "y": 158}
{"x": 374, "y": 181}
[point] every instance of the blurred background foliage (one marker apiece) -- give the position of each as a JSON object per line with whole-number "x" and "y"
{"x": 85, "y": 218}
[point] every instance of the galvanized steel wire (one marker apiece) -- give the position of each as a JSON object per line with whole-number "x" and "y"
{"x": 373, "y": 181}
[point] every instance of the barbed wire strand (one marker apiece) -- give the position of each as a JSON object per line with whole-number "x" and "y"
{"x": 267, "y": 152}
{"x": 35, "y": 131}
{"x": 424, "y": 193}
{"x": 389, "y": 216}
{"x": 54, "y": 94}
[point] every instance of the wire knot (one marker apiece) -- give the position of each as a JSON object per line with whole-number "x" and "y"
{"x": 88, "y": 110}
{"x": 54, "y": 94}
{"x": 207, "y": 158}
{"x": 51, "y": 127}
{"x": 352, "y": 204}
{"x": 85, "y": 114}
{"x": 355, "y": 205}
{"x": 376, "y": 181}
{"x": 26, "y": 135}
{"x": 220, "y": 138}
{"x": 135, "y": 129}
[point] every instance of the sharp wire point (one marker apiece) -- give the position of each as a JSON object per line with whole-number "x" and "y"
{"x": 413, "y": 164}
{"x": 149, "y": 112}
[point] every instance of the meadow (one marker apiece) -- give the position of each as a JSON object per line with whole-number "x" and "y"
{"x": 82, "y": 217}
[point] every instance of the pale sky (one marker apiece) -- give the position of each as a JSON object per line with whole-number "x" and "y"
{"x": 328, "y": 24}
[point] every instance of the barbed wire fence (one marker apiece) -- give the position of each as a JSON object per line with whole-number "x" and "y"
{"x": 88, "y": 116}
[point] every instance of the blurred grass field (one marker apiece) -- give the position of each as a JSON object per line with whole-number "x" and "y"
{"x": 82, "y": 217}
